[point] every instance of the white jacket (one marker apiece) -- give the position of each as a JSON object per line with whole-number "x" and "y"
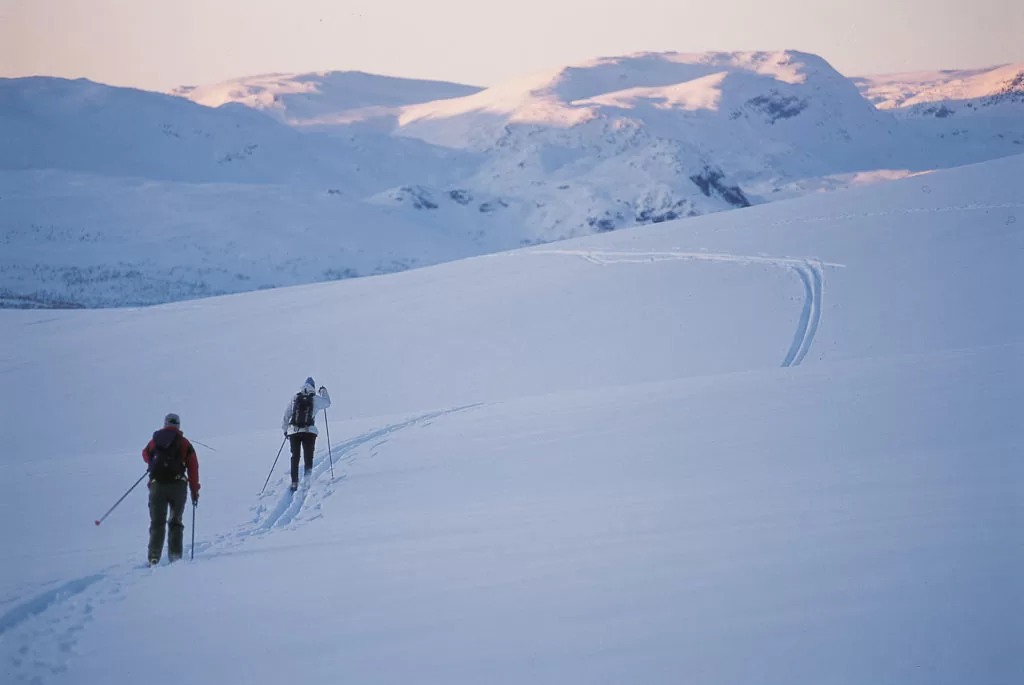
{"x": 320, "y": 402}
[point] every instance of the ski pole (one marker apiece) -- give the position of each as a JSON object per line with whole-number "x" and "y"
{"x": 201, "y": 444}
{"x": 275, "y": 463}
{"x": 192, "y": 555}
{"x": 104, "y": 517}
{"x": 330, "y": 456}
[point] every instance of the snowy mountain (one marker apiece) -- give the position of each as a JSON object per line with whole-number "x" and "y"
{"x": 324, "y": 99}
{"x": 975, "y": 114}
{"x": 653, "y": 136}
{"x": 909, "y": 94}
{"x": 81, "y": 126}
{"x": 116, "y": 196}
{"x": 776, "y": 446}
{"x": 691, "y": 98}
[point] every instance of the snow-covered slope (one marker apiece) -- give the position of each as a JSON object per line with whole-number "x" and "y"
{"x": 775, "y": 446}
{"x": 74, "y": 240}
{"x": 114, "y": 196}
{"x": 972, "y": 114}
{"x": 324, "y": 99}
{"x": 654, "y": 120}
{"x": 674, "y": 93}
{"x": 81, "y": 126}
{"x": 974, "y": 89}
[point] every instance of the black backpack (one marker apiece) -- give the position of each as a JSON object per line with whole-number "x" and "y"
{"x": 302, "y": 410}
{"x": 165, "y": 462}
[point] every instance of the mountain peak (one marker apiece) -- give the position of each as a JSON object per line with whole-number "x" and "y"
{"x": 321, "y": 97}
{"x": 646, "y": 87}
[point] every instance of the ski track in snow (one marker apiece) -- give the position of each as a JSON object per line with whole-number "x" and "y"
{"x": 38, "y": 635}
{"x": 812, "y": 279}
{"x": 43, "y": 601}
{"x": 809, "y": 271}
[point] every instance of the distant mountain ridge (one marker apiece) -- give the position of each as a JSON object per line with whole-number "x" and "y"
{"x": 119, "y": 196}
{"x": 906, "y": 93}
{"x": 87, "y": 127}
{"x": 323, "y": 98}
{"x": 764, "y": 120}
{"x": 976, "y": 114}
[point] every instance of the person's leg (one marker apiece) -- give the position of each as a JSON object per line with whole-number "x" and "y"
{"x": 178, "y": 496}
{"x": 296, "y": 443}
{"x": 308, "y": 443}
{"x": 157, "y": 521}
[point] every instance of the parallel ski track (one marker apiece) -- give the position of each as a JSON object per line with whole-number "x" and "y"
{"x": 38, "y": 635}
{"x": 811, "y": 278}
{"x": 809, "y": 271}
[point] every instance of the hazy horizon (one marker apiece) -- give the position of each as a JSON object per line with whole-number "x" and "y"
{"x": 148, "y": 46}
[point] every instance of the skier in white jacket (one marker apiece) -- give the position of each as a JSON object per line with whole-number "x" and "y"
{"x": 299, "y": 425}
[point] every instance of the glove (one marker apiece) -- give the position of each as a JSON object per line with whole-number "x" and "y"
{"x": 195, "y": 499}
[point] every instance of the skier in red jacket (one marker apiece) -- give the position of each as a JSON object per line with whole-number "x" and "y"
{"x": 170, "y": 457}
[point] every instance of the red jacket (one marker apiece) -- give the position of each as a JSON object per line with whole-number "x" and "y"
{"x": 188, "y": 455}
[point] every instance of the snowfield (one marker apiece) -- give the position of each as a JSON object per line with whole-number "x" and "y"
{"x": 773, "y": 446}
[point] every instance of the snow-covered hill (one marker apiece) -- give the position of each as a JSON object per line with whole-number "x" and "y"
{"x": 909, "y": 94}
{"x": 324, "y": 99}
{"x": 653, "y": 136}
{"x": 778, "y": 446}
{"x": 74, "y": 240}
{"x": 973, "y": 114}
{"x": 86, "y": 127}
{"x": 764, "y": 98}
{"x": 115, "y": 196}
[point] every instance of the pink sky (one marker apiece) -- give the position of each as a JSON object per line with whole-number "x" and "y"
{"x": 159, "y": 44}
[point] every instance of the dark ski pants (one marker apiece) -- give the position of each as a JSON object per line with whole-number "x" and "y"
{"x": 306, "y": 441}
{"x": 161, "y": 497}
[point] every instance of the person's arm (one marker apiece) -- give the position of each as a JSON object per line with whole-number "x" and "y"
{"x": 321, "y": 401}
{"x": 287, "y": 415}
{"x": 192, "y": 466}
{"x": 147, "y": 451}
